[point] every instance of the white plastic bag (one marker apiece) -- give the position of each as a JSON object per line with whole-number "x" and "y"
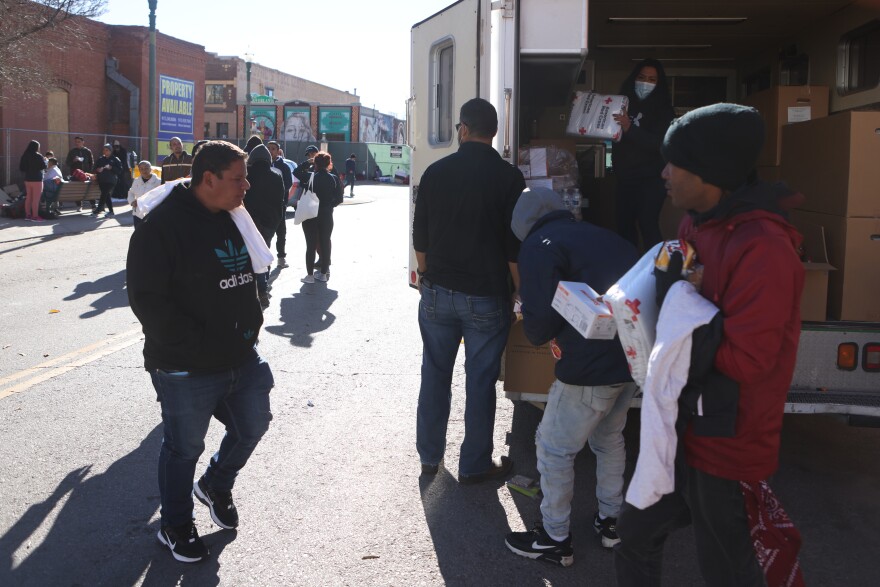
{"x": 308, "y": 204}
{"x": 633, "y": 301}
{"x": 592, "y": 116}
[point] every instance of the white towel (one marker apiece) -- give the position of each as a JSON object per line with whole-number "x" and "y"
{"x": 261, "y": 256}
{"x": 683, "y": 311}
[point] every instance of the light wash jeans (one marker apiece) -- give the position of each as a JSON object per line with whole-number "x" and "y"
{"x": 575, "y": 414}
{"x": 445, "y": 317}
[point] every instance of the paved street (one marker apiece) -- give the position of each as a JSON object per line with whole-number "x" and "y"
{"x": 333, "y": 494}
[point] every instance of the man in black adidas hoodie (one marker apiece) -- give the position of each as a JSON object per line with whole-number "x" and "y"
{"x": 191, "y": 284}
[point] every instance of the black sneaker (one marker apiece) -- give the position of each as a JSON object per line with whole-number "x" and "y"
{"x": 535, "y": 544}
{"x": 223, "y": 511}
{"x": 607, "y": 529}
{"x": 183, "y": 542}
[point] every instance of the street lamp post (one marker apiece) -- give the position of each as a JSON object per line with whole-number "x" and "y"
{"x": 248, "y": 60}
{"x": 151, "y": 101}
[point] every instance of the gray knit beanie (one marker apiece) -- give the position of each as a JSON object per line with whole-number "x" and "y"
{"x": 719, "y": 143}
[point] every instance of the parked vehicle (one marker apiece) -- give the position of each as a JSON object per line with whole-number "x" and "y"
{"x": 793, "y": 61}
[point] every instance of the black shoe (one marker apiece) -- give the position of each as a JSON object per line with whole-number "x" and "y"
{"x": 184, "y": 543}
{"x": 500, "y": 468}
{"x": 109, "y": 215}
{"x": 223, "y": 511}
{"x": 264, "y": 301}
{"x": 535, "y": 544}
{"x": 430, "y": 469}
{"x": 607, "y": 529}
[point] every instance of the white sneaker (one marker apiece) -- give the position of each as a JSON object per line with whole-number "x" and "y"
{"x": 308, "y": 279}
{"x": 321, "y": 277}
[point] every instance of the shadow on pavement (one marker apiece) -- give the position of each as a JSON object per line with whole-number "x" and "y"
{"x": 113, "y": 286}
{"x": 101, "y": 534}
{"x": 305, "y": 313}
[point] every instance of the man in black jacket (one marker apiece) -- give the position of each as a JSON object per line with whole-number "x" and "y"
{"x": 191, "y": 284}
{"x": 80, "y": 157}
{"x": 286, "y": 175}
{"x": 265, "y": 203}
{"x": 466, "y": 256}
{"x": 593, "y": 389}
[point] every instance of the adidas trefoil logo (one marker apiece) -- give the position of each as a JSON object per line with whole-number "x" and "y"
{"x": 233, "y": 260}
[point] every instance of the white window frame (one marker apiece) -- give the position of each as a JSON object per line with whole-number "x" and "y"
{"x": 442, "y": 100}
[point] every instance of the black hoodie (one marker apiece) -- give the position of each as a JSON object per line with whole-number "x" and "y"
{"x": 191, "y": 284}
{"x": 638, "y": 152}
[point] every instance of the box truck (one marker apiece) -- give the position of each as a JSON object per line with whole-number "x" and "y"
{"x": 811, "y": 68}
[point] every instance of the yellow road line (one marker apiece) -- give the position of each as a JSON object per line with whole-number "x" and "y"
{"x": 72, "y": 360}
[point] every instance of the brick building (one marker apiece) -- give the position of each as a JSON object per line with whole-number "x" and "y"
{"x": 101, "y": 91}
{"x": 271, "y": 92}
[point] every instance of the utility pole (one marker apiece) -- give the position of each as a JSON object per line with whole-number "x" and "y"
{"x": 248, "y": 60}
{"x": 151, "y": 101}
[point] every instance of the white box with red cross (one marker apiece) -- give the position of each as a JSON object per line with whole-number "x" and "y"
{"x": 584, "y": 309}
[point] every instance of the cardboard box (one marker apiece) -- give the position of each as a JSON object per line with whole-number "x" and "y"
{"x": 853, "y": 246}
{"x": 814, "y": 300}
{"x": 835, "y": 163}
{"x": 583, "y": 308}
{"x": 785, "y": 105}
{"x": 527, "y": 368}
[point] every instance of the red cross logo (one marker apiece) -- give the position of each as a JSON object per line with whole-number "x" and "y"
{"x": 608, "y": 100}
{"x": 633, "y": 305}
{"x": 631, "y": 352}
{"x": 582, "y": 131}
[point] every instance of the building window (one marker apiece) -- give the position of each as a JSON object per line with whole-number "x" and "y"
{"x": 214, "y": 94}
{"x": 441, "y": 123}
{"x": 222, "y": 130}
{"x": 207, "y": 130}
{"x": 270, "y": 92}
{"x": 859, "y": 59}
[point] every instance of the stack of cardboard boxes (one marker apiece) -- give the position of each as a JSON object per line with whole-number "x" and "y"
{"x": 784, "y": 108}
{"x": 835, "y": 163}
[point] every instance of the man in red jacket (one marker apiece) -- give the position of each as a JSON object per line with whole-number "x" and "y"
{"x": 752, "y": 272}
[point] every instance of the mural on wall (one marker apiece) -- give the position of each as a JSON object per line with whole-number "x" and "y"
{"x": 400, "y": 132}
{"x": 297, "y": 124}
{"x": 176, "y": 108}
{"x": 335, "y": 121}
{"x": 376, "y": 128}
{"x": 262, "y": 122}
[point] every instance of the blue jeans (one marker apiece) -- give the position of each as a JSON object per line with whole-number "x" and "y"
{"x": 445, "y": 316}
{"x": 574, "y": 415}
{"x": 239, "y": 398}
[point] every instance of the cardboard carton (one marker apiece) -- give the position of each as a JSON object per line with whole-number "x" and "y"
{"x": 784, "y": 105}
{"x": 835, "y": 163}
{"x": 854, "y": 249}
{"x": 583, "y": 308}
{"x": 814, "y": 300}
{"x": 527, "y": 368}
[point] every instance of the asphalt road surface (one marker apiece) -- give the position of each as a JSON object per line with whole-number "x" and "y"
{"x": 332, "y": 495}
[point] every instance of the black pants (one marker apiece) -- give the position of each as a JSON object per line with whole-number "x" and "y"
{"x": 263, "y": 278}
{"x": 281, "y": 234}
{"x": 317, "y": 232}
{"x": 106, "y": 196}
{"x": 637, "y": 207}
{"x": 716, "y": 509}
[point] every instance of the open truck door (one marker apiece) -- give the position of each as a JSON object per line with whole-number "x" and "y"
{"x": 445, "y": 73}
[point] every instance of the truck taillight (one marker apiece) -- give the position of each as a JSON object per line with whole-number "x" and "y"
{"x": 847, "y": 356}
{"x": 871, "y": 357}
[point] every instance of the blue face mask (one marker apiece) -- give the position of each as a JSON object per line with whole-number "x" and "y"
{"x": 644, "y": 89}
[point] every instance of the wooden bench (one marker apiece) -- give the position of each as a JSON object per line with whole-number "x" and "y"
{"x": 76, "y": 191}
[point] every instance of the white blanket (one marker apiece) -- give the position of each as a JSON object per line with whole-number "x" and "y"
{"x": 684, "y": 310}
{"x": 261, "y": 256}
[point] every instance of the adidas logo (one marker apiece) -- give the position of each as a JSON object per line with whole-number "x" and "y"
{"x": 233, "y": 260}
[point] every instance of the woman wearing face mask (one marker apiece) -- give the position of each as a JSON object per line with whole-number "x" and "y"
{"x": 636, "y": 158}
